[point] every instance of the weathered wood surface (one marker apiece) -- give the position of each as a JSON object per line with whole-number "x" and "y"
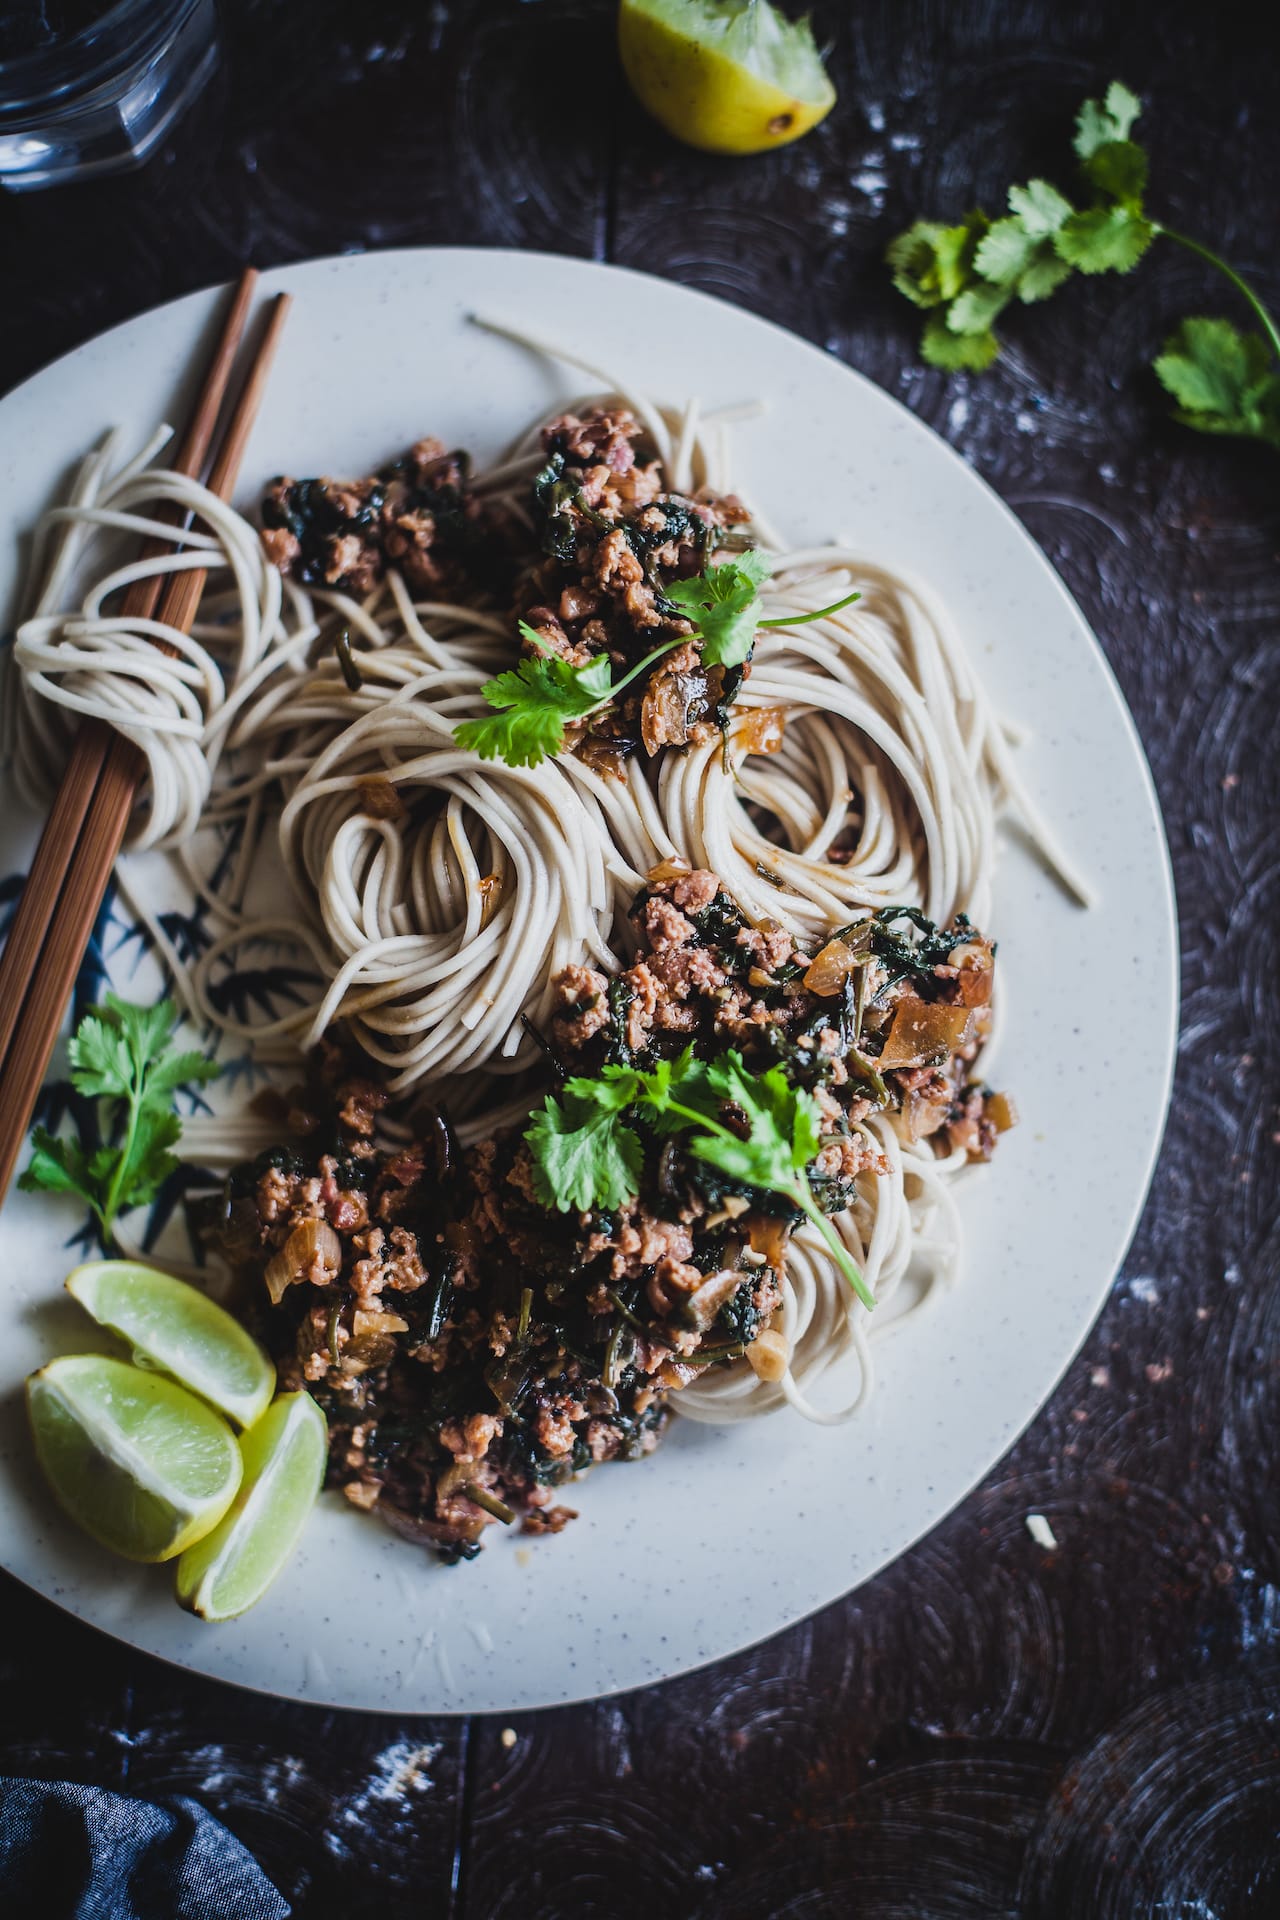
{"x": 986, "y": 1729}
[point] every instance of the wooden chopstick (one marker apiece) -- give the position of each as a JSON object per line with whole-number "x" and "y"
{"x": 88, "y": 870}
{"x": 92, "y": 743}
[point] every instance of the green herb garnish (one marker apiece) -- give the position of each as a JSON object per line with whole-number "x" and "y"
{"x": 346, "y": 660}
{"x": 1224, "y": 381}
{"x": 481, "y": 1497}
{"x": 586, "y": 1155}
{"x": 583, "y": 1155}
{"x": 120, "y": 1054}
{"x": 541, "y": 698}
{"x": 724, "y": 604}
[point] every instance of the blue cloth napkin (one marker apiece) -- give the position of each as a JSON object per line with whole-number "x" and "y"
{"x": 69, "y": 1852}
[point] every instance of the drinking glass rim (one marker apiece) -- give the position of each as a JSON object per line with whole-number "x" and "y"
{"x": 43, "y": 68}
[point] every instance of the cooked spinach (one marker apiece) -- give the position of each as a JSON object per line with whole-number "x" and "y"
{"x": 740, "y": 1317}
{"x": 555, "y": 500}
{"x": 619, "y": 1048}
{"x": 905, "y": 954}
{"x": 719, "y": 923}
{"x": 310, "y": 513}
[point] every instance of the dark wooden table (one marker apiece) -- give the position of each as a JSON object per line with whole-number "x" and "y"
{"x": 986, "y": 1729}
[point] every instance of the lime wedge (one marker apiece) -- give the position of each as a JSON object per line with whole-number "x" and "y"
{"x": 178, "y": 1330}
{"x": 731, "y": 76}
{"x": 141, "y": 1464}
{"x": 284, "y": 1458}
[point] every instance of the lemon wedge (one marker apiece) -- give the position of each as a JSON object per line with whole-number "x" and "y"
{"x": 284, "y": 1459}
{"x": 178, "y": 1330}
{"x": 136, "y": 1460}
{"x": 730, "y": 76}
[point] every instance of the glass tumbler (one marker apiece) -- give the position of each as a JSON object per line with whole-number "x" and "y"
{"x": 88, "y": 87}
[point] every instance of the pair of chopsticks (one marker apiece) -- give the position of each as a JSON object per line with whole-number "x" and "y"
{"x": 87, "y": 823}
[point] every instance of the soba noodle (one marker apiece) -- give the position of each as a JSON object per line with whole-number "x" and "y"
{"x": 436, "y": 895}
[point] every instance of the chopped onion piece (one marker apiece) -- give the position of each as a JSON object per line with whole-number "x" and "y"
{"x": 312, "y": 1252}
{"x": 666, "y": 871}
{"x": 828, "y": 971}
{"x": 761, "y": 730}
{"x": 768, "y": 1356}
{"x": 923, "y": 1032}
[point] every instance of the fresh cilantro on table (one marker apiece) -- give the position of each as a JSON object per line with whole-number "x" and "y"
{"x": 1224, "y": 381}
{"x": 933, "y": 263}
{"x": 120, "y": 1054}
{"x": 586, "y": 1154}
{"x": 542, "y": 697}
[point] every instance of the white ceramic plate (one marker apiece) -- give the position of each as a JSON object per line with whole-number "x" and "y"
{"x": 725, "y": 1535}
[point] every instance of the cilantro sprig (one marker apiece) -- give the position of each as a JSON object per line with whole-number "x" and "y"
{"x": 586, "y": 1155}
{"x": 724, "y": 605}
{"x": 120, "y": 1055}
{"x": 966, "y": 275}
{"x": 540, "y": 699}
{"x": 535, "y": 702}
{"x": 1224, "y": 381}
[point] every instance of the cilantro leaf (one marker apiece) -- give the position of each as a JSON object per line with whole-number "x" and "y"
{"x": 758, "y": 1161}
{"x": 121, "y": 1051}
{"x": 146, "y": 1029}
{"x": 617, "y": 1089}
{"x": 120, "y": 1054}
{"x": 583, "y": 1156}
{"x": 686, "y": 1077}
{"x": 933, "y": 263}
{"x": 1043, "y": 276}
{"x": 101, "y": 1058}
{"x": 1039, "y": 209}
{"x": 973, "y": 310}
{"x": 1018, "y": 252}
{"x": 1120, "y": 169}
{"x": 173, "y": 1070}
{"x": 536, "y": 702}
{"x": 953, "y": 351}
{"x": 723, "y": 604}
{"x": 1104, "y": 239}
{"x": 1101, "y": 122}
{"x": 152, "y": 1161}
{"x": 974, "y": 269}
{"x": 1224, "y": 381}
{"x": 1007, "y": 252}
{"x": 784, "y": 1137}
{"x": 58, "y": 1166}
{"x": 784, "y": 1126}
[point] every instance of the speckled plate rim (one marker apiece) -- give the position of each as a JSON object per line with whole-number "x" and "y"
{"x": 779, "y": 1519}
